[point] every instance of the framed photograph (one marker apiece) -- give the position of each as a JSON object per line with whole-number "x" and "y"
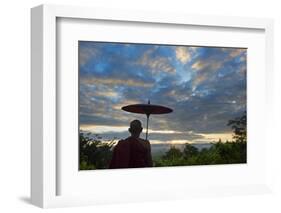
{"x": 130, "y": 106}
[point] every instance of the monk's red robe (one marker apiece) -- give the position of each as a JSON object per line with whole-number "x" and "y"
{"x": 131, "y": 153}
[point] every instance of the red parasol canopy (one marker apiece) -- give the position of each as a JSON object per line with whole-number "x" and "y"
{"x": 147, "y": 109}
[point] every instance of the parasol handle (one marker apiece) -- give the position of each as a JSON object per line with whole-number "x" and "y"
{"x": 147, "y": 119}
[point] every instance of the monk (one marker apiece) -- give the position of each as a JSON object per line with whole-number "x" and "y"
{"x": 133, "y": 152}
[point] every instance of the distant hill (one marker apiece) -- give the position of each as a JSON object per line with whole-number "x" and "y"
{"x": 160, "y": 149}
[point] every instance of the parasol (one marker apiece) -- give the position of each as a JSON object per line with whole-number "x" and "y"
{"x": 147, "y": 109}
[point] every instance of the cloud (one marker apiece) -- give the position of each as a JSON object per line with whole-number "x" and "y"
{"x": 234, "y": 52}
{"x": 122, "y": 132}
{"x": 203, "y": 64}
{"x": 115, "y": 81}
{"x": 156, "y": 63}
{"x": 86, "y": 53}
{"x": 204, "y": 86}
{"x": 214, "y": 63}
{"x": 183, "y": 54}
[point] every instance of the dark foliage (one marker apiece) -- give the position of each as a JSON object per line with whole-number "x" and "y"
{"x": 239, "y": 126}
{"x": 94, "y": 154}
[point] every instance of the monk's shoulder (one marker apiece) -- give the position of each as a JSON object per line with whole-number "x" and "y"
{"x": 122, "y": 142}
{"x": 145, "y": 142}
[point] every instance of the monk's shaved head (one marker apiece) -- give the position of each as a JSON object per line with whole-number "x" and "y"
{"x": 135, "y": 127}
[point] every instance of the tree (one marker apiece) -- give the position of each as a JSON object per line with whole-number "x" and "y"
{"x": 239, "y": 126}
{"x": 94, "y": 154}
{"x": 189, "y": 151}
{"x": 173, "y": 153}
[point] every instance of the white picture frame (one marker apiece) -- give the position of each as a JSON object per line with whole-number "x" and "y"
{"x": 44, "y": 149}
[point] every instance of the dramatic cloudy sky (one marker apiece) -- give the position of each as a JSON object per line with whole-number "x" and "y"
{"x": 205, "y": 86}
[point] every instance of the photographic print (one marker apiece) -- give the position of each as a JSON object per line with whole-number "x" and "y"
{"x": 157, "y": 105}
